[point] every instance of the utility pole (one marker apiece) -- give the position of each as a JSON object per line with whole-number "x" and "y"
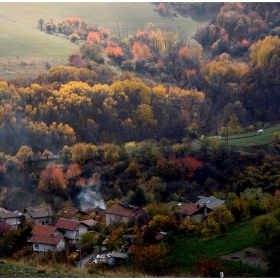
{"x": 227, "y": 135}
{"x": 80, "y": 251}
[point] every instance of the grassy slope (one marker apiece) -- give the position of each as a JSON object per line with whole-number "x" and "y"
{"x": 239, "y": 236}
{"x": 248, "y": 141}
{"x": 20, "y": 38}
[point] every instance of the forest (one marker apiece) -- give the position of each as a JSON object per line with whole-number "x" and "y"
{"x": 132, "y": 117}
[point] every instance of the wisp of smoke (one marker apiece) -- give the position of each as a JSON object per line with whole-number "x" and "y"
{"x": 90, "y": 195}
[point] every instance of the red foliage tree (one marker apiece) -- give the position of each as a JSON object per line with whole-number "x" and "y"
{"x": 52, "y": 179}
{"x": 191, "y": 164}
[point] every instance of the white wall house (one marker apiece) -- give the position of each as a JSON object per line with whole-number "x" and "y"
{"x": 41, "y": 215}
{"x": 71, "y": 229}
{"x": 11, "y": 218}
{"x": 45, "y": 243}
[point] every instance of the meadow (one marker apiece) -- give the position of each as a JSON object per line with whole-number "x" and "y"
{"x": 21, "y": 38}
{"x": 239, "y": 235}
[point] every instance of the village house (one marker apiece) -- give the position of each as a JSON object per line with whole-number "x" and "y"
{"x": 196, "y": 212}
{"x": 40, "y": 215}
{"x": 124, "y": 213}
{"x": 70, "y": 212}
{"x": 46, "y": 238}
{"x": 71, "y": 229}
{"x": 11, "y": 218}
{"x": 45, "y": 243}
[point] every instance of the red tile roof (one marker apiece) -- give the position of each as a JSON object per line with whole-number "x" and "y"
{"x": 45, "y": 239}
{"x": 189, "y": 209}
{"x": 89, "y": 223}
{"x": 123, "y": 209}
{"x": 69, "y": 212}
{"x": 43, "y": 230}
{"x": 67, "y": 224}
{"x": 39, "y": 211}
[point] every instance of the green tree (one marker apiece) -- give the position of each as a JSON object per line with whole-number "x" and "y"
{"x": 139, "y": 197}
{"x": 267, "y": 225}
{"x": 210, "y": 226}
{"x": 88, "y": 238}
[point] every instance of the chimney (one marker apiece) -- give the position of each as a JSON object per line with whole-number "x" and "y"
{"x": 204, "y": 211}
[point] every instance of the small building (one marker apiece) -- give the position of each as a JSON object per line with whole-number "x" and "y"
{"x": 71, "y": 229}
{"x": 11, "y": 218}
{"x": 40, "y": 215}
{"x": 69, "y": 212}
{"x": 124, "y": 213}
{"x": 45, "y": 243}
{"x": 115, "y": 257}
{"x": 196, "y": 212}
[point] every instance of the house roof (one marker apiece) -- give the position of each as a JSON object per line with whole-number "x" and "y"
{"x": 210, "y": 202}
{"x": 39, "y": 211}
{"x": 190, "y": 209}
{"x": 5, "y": 214}
{"x": 43, "y": 230}
{"x": 67, "y": 224}
{"x": 45, "y": 239}
{"x": 176, "y": 203}
{"x": 97, "y": 210}
{"x": 69, "y": 212}
{"x": 89, "y": 223}
{"x": 123, "y": 209}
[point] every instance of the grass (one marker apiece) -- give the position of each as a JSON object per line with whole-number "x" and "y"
{"x": 21, "y": 38}
{"x": 247, "y": 142}
{"x": 239, "y": 236}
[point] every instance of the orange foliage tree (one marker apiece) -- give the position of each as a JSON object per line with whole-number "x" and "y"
{"x": 93, "y": 37}
{"x": 113, "y": 52}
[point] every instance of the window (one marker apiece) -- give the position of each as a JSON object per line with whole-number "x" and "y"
{"x": 36, "y": 246}
{"x": 77, "y": 232}
{"x": 47, "y": 222}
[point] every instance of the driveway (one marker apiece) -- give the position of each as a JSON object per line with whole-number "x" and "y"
{"x": 87, "y": 259}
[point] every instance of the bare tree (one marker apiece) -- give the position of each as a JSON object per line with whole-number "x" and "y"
{"x": 120, "y": 28}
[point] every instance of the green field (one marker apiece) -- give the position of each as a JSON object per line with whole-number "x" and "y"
{"x": 20, "y": 37}
{"x": 239, "y": 236}
{"x": 247, "y": 142}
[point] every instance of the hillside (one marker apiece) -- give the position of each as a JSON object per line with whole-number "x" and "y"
{"x": 18, "y": 24}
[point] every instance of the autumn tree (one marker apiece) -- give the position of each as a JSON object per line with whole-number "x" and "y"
{"x": 186, "y": 226}
{"x": 52, "y": 179}
{"x": 81, "y": 152}
{"x": 24, "y": 154}
{"x": 154, "y": 260}
{"x": 221, "y": 216}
